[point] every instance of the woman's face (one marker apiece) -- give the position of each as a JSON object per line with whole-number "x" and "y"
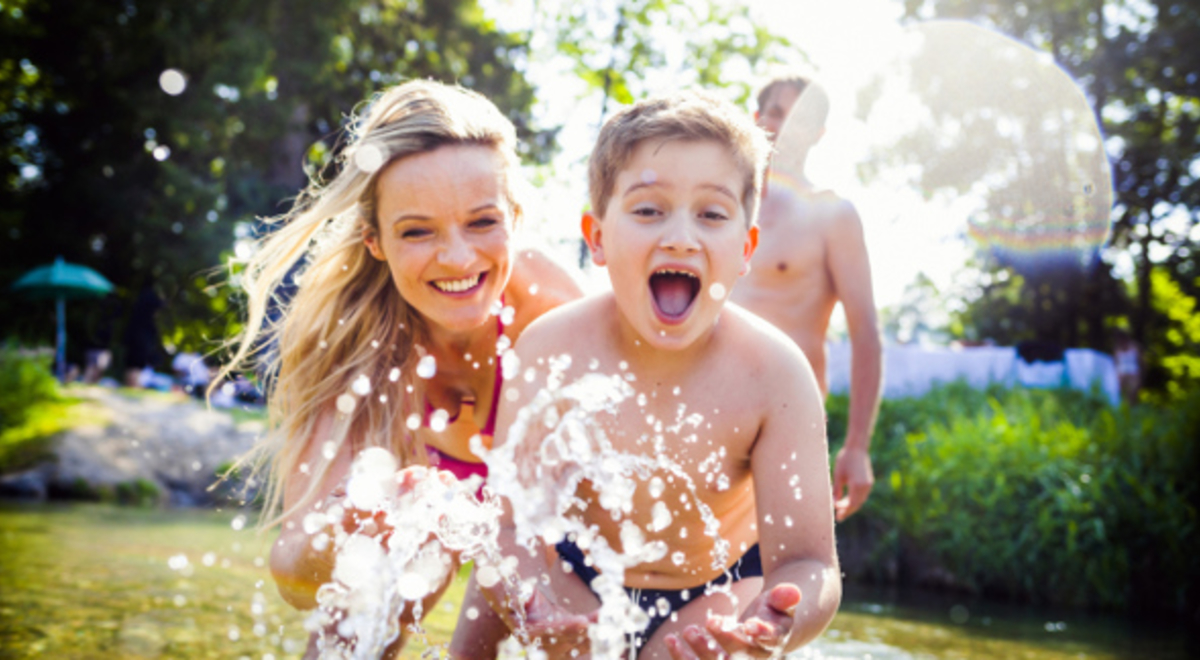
{"x": 444, "y": 221}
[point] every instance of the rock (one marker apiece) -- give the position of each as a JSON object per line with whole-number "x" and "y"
{"x": 172, "y": 445}
{"x": 28, "y": 485}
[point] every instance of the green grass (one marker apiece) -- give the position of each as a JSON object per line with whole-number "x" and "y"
{"x": 29, "y": 443}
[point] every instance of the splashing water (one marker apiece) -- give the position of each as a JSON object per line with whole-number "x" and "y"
{"x": 553, "y": 445}
{"x": 378, "y": 575}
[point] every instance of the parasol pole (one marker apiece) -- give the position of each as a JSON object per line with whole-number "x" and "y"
{"x": 60, "y": 353}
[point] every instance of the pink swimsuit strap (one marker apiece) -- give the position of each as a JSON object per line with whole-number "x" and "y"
{"x": 489, "y": 427}
{"x": 459, "y": 468}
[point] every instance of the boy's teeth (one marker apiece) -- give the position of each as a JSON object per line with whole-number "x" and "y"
{"x": 456, "y": 286}
{"x": 672, "y": 271}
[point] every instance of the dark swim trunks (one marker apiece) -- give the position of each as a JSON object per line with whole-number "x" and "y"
{"x": 749, "y": 565}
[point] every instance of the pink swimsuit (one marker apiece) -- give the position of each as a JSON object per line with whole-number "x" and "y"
{"x": 459, "y": 468}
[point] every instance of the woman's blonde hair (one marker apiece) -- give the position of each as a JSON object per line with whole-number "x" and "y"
{"x": 344, "y": 341}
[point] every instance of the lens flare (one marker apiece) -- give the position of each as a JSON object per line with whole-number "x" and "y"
{"x": 990, "y": 133}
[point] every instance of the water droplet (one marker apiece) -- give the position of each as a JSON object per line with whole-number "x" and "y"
{"x": 172, "y": 81}
{"x": 368, "y": 158}
{"x": 641, "y": 401}
{"x": 346, "y": 404}
{"x": 427, "y": 367}
{"x": 413, "y": 422}
{"x": 487, "y": 576}
{"x": 510, "y": 365}
{"x": 438, "y": 420}
{"x": 663, "y": 606}
{"x": 656, "y": 487}
{"x": 361, "y": 385}
{"x": 768, "y": 519}
{"x": 723, "y": 482}
{"x": 472, "y": 613}
{"x": 329, "y": 450}
{"x": 677, "y": 558}
{"x": 161, "y": 153}
{"x": 717, "y": 291}
{"x": 507, "y": 315}
{"x": 660, "y": 517}
{"x": 787, "y": 520}
{"x": 623, "y": 365}
{"x": 512, "y": 394}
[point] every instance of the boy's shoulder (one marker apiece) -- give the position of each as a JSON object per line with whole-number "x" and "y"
{"x": 759, "y": 342}
{"x": 569, "y": 324}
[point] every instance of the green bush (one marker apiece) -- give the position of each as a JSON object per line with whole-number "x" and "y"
{"x": 25, "y": 380}
{"x": 1040, "y": 495}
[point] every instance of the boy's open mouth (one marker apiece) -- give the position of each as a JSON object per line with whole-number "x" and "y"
{"x": 673, "y": 292}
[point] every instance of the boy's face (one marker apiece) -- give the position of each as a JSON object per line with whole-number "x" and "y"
{"x": 775, "y": 112}
{"x": 674, "y": 238}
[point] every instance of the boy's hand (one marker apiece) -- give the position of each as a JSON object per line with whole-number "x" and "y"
{"x": 851, "y": 472}
{"x": 557, "y": 630}
{"x": 761, "y": 634}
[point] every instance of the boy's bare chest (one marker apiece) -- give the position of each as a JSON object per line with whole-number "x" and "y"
{"x": 707, "y": 433}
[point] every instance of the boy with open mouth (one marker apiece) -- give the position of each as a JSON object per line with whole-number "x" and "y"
{"x": 675, "y": 184}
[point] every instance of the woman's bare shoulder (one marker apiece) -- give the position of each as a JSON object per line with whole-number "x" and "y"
{"x": 538, "y": 284}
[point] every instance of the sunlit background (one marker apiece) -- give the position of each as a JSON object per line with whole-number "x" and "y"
{"x": 1027, "y": 173}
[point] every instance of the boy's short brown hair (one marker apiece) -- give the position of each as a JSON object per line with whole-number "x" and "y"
{"x": 682, "y": 116}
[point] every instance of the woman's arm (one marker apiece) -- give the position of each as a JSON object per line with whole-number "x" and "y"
{"x": 298, "y": 568}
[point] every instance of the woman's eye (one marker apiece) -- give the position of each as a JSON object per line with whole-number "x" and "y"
{"x": 415, "y": 233}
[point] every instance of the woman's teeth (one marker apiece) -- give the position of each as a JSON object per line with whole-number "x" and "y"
{"x": 457, "y": 286}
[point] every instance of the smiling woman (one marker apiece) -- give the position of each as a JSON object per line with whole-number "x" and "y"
{"x": 404, "y": 257}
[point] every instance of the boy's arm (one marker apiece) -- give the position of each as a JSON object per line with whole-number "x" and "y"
{"x": 542, "y": 618}
{"x": 850, "y": 270}
{"x": 802, "y": 585}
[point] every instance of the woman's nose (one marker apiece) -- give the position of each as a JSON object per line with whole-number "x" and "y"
{"x": 456, "y": 251}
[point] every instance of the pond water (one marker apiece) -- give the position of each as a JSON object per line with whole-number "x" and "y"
{"x": 91, "y": 581}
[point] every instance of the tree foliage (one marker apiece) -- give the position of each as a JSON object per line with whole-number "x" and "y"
{"x": 103, "y": 167}
{"x": 1133, "y": 61}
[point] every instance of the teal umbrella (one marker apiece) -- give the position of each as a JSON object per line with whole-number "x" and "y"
{"x": 62, "y": 281}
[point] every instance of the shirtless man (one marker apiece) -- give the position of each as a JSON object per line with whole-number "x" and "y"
{"x": 811, "y": 255}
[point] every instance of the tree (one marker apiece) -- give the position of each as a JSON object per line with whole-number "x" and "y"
{"x": 142, "y": 138}
{"x": 1141, "y": 78}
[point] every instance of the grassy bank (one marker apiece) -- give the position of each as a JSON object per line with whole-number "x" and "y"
{"x": 1036, "y": 495}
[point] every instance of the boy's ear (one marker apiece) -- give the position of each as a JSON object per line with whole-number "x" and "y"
{"x": 370, "y": 238}
{"x": 748, "y": 248}
{"x": 590, "y": 225}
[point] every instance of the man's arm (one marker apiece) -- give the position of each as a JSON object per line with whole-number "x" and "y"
{"x": 850, "y": 271}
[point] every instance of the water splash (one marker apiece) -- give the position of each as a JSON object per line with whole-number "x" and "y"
{"x": 379, "y": 575}
{"x": 552, "y": 447}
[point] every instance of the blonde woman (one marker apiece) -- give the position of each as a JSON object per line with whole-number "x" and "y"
{"x": 405, "y": 257}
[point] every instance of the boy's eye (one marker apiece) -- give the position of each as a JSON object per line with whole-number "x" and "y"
{"x": 484, "y": 223}
{"x": 716, "y": 215}
{"x": 646, "y": 211}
